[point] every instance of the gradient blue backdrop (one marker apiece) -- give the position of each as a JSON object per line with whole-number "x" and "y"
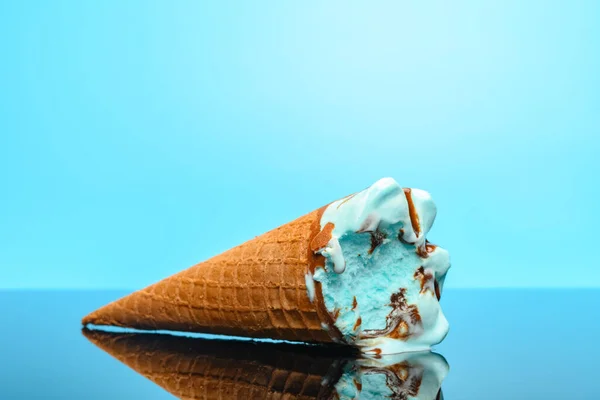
{"x": 139, "y": 137}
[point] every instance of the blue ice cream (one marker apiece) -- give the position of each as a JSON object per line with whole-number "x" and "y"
{"x": 382, "y": 280}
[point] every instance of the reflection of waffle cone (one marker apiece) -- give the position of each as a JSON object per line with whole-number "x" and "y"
{"x": 257, "y": 289}
{"x": 212, "y": 369}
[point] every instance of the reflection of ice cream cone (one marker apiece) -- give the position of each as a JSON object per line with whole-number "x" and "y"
{"x": 257, "y": 289}
{"x": 215, "y": 369}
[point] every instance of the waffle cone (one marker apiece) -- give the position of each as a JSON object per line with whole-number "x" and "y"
{"x": 213, "y": 369}
{"x": 257, "y": 289}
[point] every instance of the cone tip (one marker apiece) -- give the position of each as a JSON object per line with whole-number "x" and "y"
{"x": 89, "y": 319}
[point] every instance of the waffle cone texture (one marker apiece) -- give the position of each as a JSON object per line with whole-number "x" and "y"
{"x": 257, "y": 289}
{"x": 211, "y": 369}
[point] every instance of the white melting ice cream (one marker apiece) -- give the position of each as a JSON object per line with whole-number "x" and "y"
{"x": 382, "y": 280}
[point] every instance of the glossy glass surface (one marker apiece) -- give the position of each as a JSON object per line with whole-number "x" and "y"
{"x": 517, "y": 344}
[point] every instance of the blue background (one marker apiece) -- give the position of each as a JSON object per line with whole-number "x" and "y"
{"x": 139, "y": 137}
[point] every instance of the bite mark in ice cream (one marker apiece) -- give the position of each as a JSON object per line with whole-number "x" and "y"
{"x": 362, "y": 272}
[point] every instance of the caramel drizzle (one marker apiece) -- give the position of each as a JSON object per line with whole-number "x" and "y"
{"x": 346, "y": 199}
{"x": 377, "y": 238}
{"x": 377, "y": 352}
{"x": 412, "y": 211}
{"x": 425, "y": 277}
{"x": 357, "y": 323}
{"x": 424, "y": 251}
{"x": 430, "y": 247}
{"x": 358, "y": 385}
{"x": 399, "y": 321}
{"x": 336, "y": 314}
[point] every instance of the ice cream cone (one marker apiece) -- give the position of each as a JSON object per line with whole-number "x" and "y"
{"x": 215, "y": 369}
{"x": 257, "y": 289}
{"x": 358, "y": 271}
